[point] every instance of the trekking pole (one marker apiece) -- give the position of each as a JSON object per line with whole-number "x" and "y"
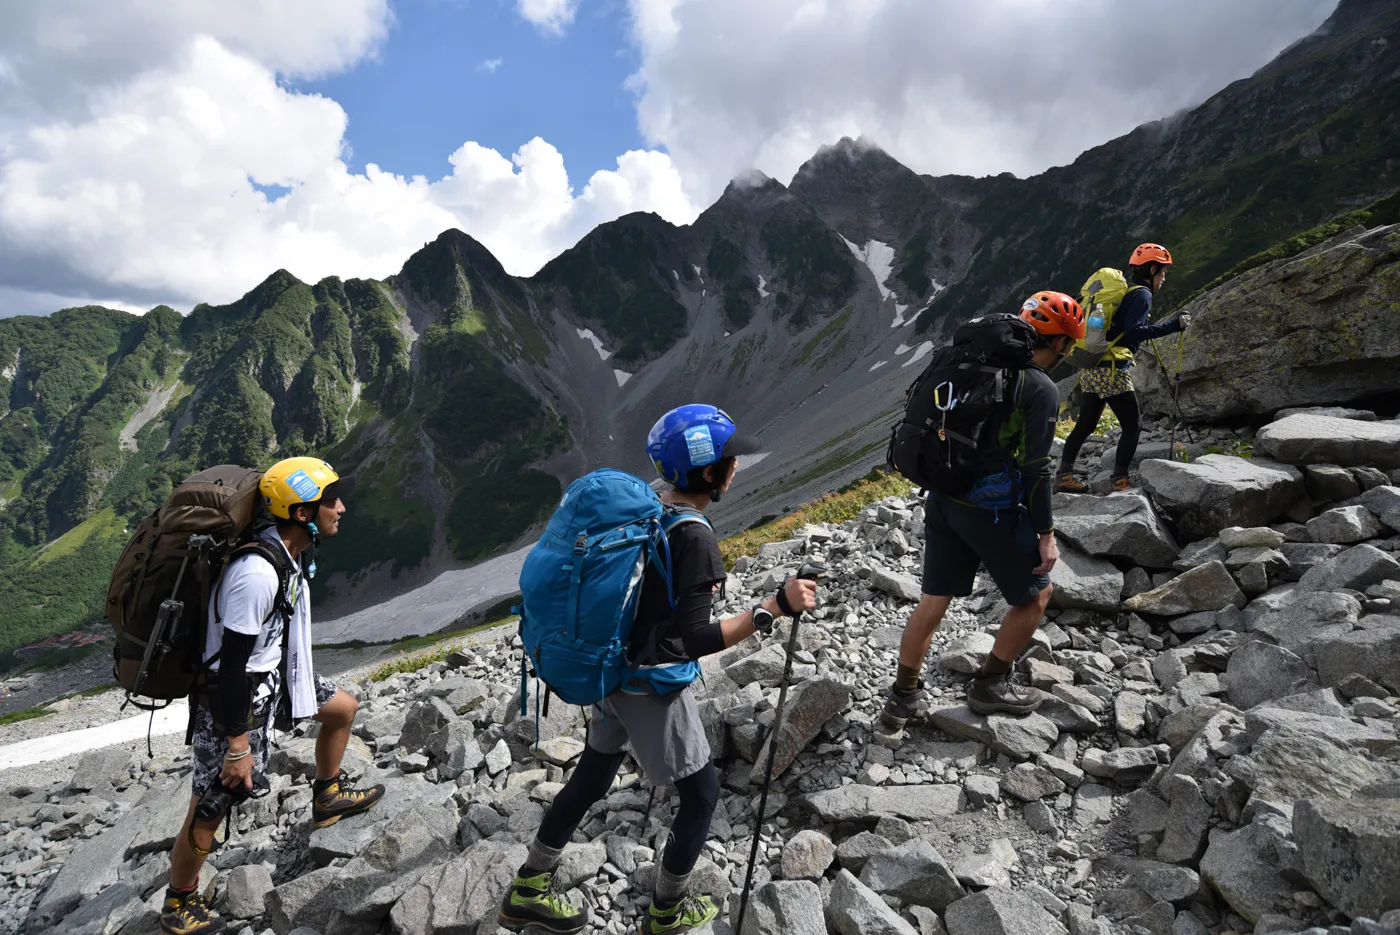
{"x": 811, "y": 571}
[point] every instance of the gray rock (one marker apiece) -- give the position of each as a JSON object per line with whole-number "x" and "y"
{"x": 1120, "y": 525}
{"x": 966, "y": 653}
{"x": 867, "y": 803}
{"x": 1040, "y": 818}
{"x": 307, "y": 900}
{"x": 1304, "y": 556}
{"x": 858, "y": 848}
{"x": 808, "y": 708}
{"x": 913, "y": 872}
{"x": 807, "y": 855}
{"x": 349, "y": 836}
{"x": 1206, "y": 587}
{"x": 1019, "y": 738}
{"x": 1125, "y": 765}
{"x": 1314, "y": 615}
{"x": 101, "y": 769}
{"x": 1000, "y": 911}
{"x": 1314, "y": 439}
{"x": 1201, "y": 552}
{"x": 1250, "y": 537}
{"x": 425, "y": 718}
{"x": 1260, "y": 672}
{"x": 764, "y": 666}
{"x": 1344, "y": 526}
{"x": 246, "y": 888}
{"x": 855, "y": 909}
{"x": 1384, "y": 504}
{"x": 1328, "y": 482}
{"x": 1217, "y": 491}
{"x": 1355, "y": 569}
{"x": 164, "y": 815}
{"x": 369, "y": 885}
{"x": 785, "y": 907}
{"x": 1192, "y": 624}
{"x": 110, "y": 913}
{"x": 1357, "y": 736}
{"x": 1130, "y": 712}
{"x": 461, "y": 752}
{"x": 1237, "y": 865}
{"x": 1188, "y": 820}
{"x": 1272, "y": 560}
{"x": 1321, "y": 701}
{"x": 1135, "y": 581}
{"x": 1350, "y": 852}
{"x": 1374, "y": 654}
{"x": 1166, "y": 883}
{"x": 498, "y": 758}
{"x": 981, "y": 790}
{"x": 1029, "y": 782}
{"x": 460, "y": 897}
{"x": 895, "y": 584}
{"x": 1288, "y": 765}
{"x": 979, "y": 871}
{"x": 1093, "y": 804}
{"x": 1085, "y": 583}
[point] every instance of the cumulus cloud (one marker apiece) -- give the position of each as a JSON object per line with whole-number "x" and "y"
{"x": 490, "y": 65}
{"x": 974, "y": 86}
{"x": 192, "y": 179}
{"x": 551, "y": 16}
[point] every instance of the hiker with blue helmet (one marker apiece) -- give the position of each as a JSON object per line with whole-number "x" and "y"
{"x": 694, "y": 449}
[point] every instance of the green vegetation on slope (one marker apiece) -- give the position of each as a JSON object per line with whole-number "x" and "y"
{"x": 810, "y": 263}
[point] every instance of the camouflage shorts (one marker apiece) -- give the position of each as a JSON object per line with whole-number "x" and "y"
{"x": 210, "y": 746}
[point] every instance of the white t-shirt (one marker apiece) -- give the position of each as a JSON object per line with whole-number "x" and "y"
{"x": 245, "y": 598}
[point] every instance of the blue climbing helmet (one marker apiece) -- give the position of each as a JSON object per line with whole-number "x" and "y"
{"x": 694, "y": 436}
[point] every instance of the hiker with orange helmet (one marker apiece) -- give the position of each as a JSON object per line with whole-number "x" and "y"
{"x": 1013, "y": 536}
{"x": 1109, "y": 382}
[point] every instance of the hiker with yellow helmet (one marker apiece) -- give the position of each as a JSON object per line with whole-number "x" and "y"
{"x": 258, "y": 649}
{"x": 1109, "y": 381}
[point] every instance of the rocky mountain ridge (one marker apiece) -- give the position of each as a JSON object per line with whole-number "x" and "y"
{"x": 1218, "y": 751}
{"x": 465, "y": 397}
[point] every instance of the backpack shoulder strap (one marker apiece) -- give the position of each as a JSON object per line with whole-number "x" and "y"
{"x": 678, "y": 514}
{"x": 280, "y": 563}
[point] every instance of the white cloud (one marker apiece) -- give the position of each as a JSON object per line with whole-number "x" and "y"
{"x": 975, "y": 86}
{"x": 146, "y": 189}
{"x": 551, "y": 16}
{"x": 490, "y": 65}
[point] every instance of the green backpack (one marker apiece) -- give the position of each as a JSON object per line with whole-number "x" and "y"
{"x": 1100, "y": 297}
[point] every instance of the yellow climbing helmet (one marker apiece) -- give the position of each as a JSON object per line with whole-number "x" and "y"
{"x": 293, "y": 482}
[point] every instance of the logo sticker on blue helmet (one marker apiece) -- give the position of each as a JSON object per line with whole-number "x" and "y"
{"x": 306, "y": 489}
{"x": 700, "y": 446}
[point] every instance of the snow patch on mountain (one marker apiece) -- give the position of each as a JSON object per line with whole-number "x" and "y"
{"x": 924, "y": 350}
{"x": 622, "y": 376}
{"x": 879, "y": 259}
{"x": 588, "y": 335}
{"x": 762, "y": 292}
{"x": 877, "y": 365}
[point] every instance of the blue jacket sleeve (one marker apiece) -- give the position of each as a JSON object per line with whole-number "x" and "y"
{"x": 1131, "y": 320}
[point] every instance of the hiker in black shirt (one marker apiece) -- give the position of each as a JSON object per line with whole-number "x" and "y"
{"x": 694, "y": 448}
{"x": 1017, "y": 545}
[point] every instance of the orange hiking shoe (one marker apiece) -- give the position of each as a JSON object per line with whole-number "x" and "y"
{"x": 1071, "y": 484}
{"x": 1121, "y": 483}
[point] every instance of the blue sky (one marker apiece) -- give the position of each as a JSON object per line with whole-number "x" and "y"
{"x": 428, "y": 91}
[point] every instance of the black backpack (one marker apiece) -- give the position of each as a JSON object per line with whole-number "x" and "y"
{"x": 938, "y": 444}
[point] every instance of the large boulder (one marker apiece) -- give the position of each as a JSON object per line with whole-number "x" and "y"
{"x": 1085, "y": 583}
{"x": 1217, "y": 491}
{"x": 1261, "y": 672}
{"x": 913, "y": 872}
{"x": 1205, "y": 587}
{"x": 1000, "y": 911}
{"x": 809, "y": 707}
{"x": 1120, "y": 525}
{"x": 1315, "y": 329}
{"x": 1372, "y": 653}
{"x": 1306, "y": 439}
{"x": 1350, "y": 850}
{"x": 1241, "y": 866}
{"x": 1355, "y": 569}
{"x": 793, "y": 907}
{"x": 460, "y": 897}
{"x": 1313, "y": 616}
{"x": 1288, "y": 765}
{"x": 856, "y": 909}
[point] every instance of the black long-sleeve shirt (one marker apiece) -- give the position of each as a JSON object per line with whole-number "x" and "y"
{"x": 1131, "y": 321}
{"x": 1025, "y": 427}
{"x": 687, "y": 632}
{"x": 231, "y": 698}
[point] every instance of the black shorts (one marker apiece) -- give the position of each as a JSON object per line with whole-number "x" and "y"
{"x": 959, "y": 537}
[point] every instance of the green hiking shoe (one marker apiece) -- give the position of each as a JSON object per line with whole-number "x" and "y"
{"x": 691, "y": 912}
{"x": 536, "y": 900}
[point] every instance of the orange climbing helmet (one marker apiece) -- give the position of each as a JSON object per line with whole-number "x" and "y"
{"x": 1054, "y": 313}
{"x": 1151, "y": 253}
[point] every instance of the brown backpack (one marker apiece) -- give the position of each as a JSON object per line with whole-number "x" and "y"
{"x": 158, "y": 598}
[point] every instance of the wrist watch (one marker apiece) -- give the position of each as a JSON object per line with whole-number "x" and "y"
{"x": 762, "y": 619}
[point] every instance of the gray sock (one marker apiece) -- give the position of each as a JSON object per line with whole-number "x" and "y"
{"x": 669, "y": 887}
{"x": 543, "y": 858}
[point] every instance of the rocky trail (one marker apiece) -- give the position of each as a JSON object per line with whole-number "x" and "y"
{"x": 1217, "y": 752}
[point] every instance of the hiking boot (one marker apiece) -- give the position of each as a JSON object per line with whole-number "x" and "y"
{"x": 688, "y": 913}
{"x": 999, "y": 694}
{"x": 900, "y": 708}
{"x": 335, "y": 799}
{"x": 1071, "y": 484}
{"x": 188, "y": 914}
{"x": 1121, "y": 483}
{"x": 536, "y": 900}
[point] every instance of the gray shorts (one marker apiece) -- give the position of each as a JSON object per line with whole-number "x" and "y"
{"x": 665, "y": 731}
{"x": 210, "y": 745}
